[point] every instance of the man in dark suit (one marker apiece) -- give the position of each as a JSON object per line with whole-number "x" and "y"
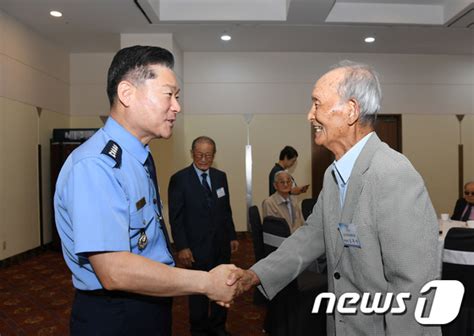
{"x": 464, "y": 208}
{"x": 203, "y": 230}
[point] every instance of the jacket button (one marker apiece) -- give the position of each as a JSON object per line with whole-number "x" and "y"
{"x": 154, "y": 201}
{"x": 337, "y": 275}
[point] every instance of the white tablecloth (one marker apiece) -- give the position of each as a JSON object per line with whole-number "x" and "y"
{"x": 445, "y": 225}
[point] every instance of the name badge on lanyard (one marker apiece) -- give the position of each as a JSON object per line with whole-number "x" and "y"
{"x": 349, "y": 235}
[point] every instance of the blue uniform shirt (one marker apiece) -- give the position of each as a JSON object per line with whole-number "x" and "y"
{"x": 105, "y": 202}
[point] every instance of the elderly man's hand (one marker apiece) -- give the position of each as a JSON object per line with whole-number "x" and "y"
{"x": 218, "y": 288}
{"x": 243, "y": 280}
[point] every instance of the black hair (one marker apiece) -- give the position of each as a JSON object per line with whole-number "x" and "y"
{"x": 132, "y": 63}
{"x": 288, "y": 152}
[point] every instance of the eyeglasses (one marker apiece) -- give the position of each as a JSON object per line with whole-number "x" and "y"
{"x": 285, "y": 182}
{"x": 467, "y": 193}
{"x": 207, "y": 156}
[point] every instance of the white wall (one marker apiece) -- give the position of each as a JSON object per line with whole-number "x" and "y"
{"x": 277, "y": 83}
{"x": 34, "y": 73}
{"x": 32, "y": 70}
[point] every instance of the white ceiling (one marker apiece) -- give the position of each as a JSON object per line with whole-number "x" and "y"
{"x": 400, "y": 26}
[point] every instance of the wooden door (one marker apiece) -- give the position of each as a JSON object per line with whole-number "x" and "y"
{"x": 389, "y": 130}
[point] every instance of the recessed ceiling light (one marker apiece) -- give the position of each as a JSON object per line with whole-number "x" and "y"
{"x": 55, "y": 13}
{"x": 369, "y": 39}
{"x": 226, "y": 37}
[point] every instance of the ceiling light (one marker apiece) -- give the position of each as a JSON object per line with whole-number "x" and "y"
{"x": 369, "y": 39}
{"x": 55, "y": 13}
{"x": 226, "y": 37}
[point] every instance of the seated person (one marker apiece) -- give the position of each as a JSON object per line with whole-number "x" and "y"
{"x": 281, "y": 203}
{"x": 287, "y": 159}
{"x": 463, "y": 209}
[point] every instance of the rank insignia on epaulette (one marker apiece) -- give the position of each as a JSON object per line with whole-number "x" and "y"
{"x": 113, "y": 150}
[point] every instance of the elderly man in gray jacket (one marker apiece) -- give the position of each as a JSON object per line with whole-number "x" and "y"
{"x": 373, "y": 218}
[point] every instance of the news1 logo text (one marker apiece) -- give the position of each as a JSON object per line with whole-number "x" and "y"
{"x": 445, "y": 306}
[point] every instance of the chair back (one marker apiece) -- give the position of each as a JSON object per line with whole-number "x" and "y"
{"x": 275, "y": 231}
{"x": 257, "y": 232}
{"x": 458, "y": 260}
{"x": 307, "y": 206}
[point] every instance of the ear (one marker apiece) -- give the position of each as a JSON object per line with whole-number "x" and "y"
{"x": 125, "y": 93}
{"x": 354, "y": 111}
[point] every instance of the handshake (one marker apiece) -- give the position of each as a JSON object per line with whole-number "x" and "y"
{"x": 226, "y": 282}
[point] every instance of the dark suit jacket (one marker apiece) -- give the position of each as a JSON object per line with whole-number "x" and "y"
{"x": 458, "y": 209}
{"x": 207, "y": 231}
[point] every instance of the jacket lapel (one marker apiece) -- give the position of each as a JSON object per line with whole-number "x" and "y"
{"x": 195, "y": 181}
{"x": 331, "y": 190}
{"x": 355, "y": 187}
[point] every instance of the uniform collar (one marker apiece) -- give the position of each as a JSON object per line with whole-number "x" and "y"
{"x": 126, "y": 140}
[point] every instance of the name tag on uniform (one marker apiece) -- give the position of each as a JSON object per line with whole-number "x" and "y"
{"x": 141, "y": 203}
{"x": 220, "y": 192}
{"x": 349, "y": 235}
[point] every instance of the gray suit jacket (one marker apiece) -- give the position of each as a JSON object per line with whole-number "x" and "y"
{"x": 397, "y": 227}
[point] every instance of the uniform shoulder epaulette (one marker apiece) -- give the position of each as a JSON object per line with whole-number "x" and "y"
{"x": 113, "y": 150}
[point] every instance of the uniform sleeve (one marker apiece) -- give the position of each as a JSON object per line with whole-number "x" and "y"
{"x": 228, "y": 213}
{"x": 176, "y": 203}
{"x": 98, "y": 208}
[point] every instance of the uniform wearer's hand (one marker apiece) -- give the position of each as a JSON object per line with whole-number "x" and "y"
{"x": 234, "y": 246}
{"x": 217, "y": 288}
{"x": 243, "y": 279}
{"x": 185, "y": 257}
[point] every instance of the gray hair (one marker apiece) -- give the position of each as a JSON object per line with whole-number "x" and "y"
{"x": 468, "y": 183}
{"x": 278, "y": 173}
{"x": 203, "y": 139}
{"x": 362, "y": 84}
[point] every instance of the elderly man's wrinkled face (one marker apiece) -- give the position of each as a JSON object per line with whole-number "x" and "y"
{"x": 469, "y": 193}
{"x": 283, "y": 184}
{"x": 203, "y": 155}
{"x": 328, "y": 114}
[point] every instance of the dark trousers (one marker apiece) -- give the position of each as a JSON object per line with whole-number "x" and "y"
{"x": 104, "y": 313}
{"x": 206, "y": 317}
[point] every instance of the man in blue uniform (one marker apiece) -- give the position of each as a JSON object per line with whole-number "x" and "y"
{"x": 109, "y": 215}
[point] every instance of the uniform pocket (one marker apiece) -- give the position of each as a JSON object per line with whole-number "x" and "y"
{"x": 139, "y": 223}
{"x": 142, "y": 218}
